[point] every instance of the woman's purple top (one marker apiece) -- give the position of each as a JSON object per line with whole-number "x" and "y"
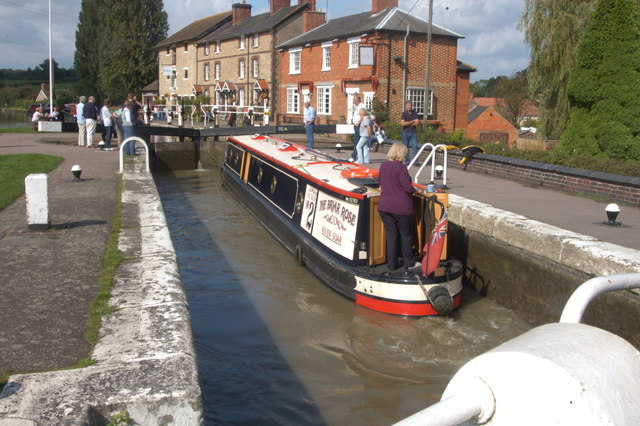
{"x": 395, "y": 184}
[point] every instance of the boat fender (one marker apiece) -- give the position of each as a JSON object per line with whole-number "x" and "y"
{"x": 299, "y": 258}
{"x": 441, "y": 300}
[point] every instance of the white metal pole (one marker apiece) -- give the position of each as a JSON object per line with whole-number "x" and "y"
{"x": 50, "y": 66}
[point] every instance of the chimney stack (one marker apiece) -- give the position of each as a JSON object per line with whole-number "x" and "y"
{"x": 312, "y": 3}
{"x": 240, "y": 11}
{"x": 276, "y": 5}
{"x": 378, "y": 5}
{"x": 312, "y": 19}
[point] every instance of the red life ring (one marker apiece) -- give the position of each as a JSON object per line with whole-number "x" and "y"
{"x": 359, "y": 172}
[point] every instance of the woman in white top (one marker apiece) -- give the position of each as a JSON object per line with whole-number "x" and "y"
{"x": 127, "y": 128}
{"x": 107, "y": 120}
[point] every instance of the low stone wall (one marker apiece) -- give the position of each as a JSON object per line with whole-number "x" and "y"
{"x": 145, "y": 357}
{"x": 533, "y": 268}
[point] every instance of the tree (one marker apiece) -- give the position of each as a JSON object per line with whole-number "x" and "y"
{"x": 604, "y": 85}
{"x": 123, "y": 45}
{"x": 485, "y": 88}
{"x": 512, "y": 94}
{"x": 87, "y": 55}
{"x": 553, "y": 29}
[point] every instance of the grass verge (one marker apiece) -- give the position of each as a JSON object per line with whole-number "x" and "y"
{"x": 25, "y": 129}
{"x": 99, "y": 305}
{"x": 16, "y": 167}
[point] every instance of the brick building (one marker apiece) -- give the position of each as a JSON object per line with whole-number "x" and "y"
{"x": 238, "y": 64}
{"x": 487, "y": 125}
{"x": 178, "y": 56}
{"x": 365, "y": 53}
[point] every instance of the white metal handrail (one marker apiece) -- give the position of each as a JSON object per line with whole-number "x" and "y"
{"x": 431, "y": 157}
{"x": 133, "y": 139}
{"x": 579, "y": 300}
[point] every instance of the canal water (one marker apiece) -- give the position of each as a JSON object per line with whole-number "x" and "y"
{"x": 275, "y": 346}
{"x": 13, "y": 118}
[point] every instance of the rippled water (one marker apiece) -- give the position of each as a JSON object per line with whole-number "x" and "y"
{"x": 275, "y": 346}
{"x": 11, "y": 119}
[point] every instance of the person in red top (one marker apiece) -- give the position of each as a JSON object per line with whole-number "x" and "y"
{"x": 396, "y": 207}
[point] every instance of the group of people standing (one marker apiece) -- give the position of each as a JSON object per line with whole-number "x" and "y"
{"x": 123, "y": 120}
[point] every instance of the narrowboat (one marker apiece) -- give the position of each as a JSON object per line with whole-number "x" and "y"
{"x": 324, "y": 211}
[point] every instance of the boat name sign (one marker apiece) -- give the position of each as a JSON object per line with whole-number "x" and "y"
{"x": 335, "y": 225}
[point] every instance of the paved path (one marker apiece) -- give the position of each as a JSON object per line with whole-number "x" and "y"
{"x": 47, "y": 279}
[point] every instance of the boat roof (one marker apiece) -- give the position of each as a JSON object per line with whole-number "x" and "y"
{"x": 316, "y": 165}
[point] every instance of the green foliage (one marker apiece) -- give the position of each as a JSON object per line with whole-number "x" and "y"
{"x": 15, "y": 168}
{"x": 603, "y": 86}
{"x": 120, "y": 419}
{"x": 485, "y": 88}
{"x": 513, "y": 95}
{"x": 552, "y": 29}
{"x": 380, "y": 110}
{"x": 114, "y": 45}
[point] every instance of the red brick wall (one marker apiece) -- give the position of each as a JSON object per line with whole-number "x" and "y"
{"x": 491, "y": 121}
{"x": 443, "y": 78}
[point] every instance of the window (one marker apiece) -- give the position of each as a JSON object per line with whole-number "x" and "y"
{"x": 206, "y": 72}
{"x": 241, "y": 97}
{"x": 326, "y": 57}
{"x": 168, "y": 51}
{"x": 217, "y": 46}
{"x": 186, "y": 48}
{"x": 256, "y": 40}
{"x": 324, "y": 100}
{"x": 292, "y": 100}
{"x": 354, "y": 44}
{"x": 241, "y": 42}
{"x": 367, "y": 100}
{"x": 416, "y": 97}
{"x": 256, "y": 67}
{"x": 217, "y": 98}
{"x": 294, "y": 61}
{"x": 216, "y": 71}
{"x": 241, "y": 68}
{"x": 186, "y": 73}
{"x": 206, "y": 48}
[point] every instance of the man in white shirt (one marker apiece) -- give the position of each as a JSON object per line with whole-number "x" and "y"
{"x": 357, "y": 106}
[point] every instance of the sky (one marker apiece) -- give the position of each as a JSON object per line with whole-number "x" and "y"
{"x": 493, "y": 44}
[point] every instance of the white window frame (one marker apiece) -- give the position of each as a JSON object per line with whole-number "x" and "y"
{"x": 324, "y": 99}
{"x": 216, "y": 71}
{"x": 207, "y": 72}
{"x": 255, "y": 65}
{"x": 293, "y": 100}
{"x": 185, "y": 73}
{"x": 206, "y": 48}
{"x": 242, "y": 42}
{"x": 241, "y": 95}
{"x": 241, "y": 68}
{"x": 326, "y": 56}
{"x": 416, "y": 96}
{"x": 217, "y": 47}
{"x": 256, "y": 40}
{"x": 293, "y": 54}
{"x": 354, "y": 45}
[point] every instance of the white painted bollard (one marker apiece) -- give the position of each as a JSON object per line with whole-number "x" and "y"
{"x": 36, "y": 189}
{"x": 179, "y": 116}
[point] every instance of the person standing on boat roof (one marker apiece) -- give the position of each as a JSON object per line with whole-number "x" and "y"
{"x": 409, "y": 120}
{"x": 309, "y": 122}
{"x": 396, "y": 207}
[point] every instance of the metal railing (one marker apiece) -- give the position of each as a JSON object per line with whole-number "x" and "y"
{"x": 431, "y": 158}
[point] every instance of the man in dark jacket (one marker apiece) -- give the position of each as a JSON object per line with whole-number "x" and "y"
{"x": 91, "y": 116}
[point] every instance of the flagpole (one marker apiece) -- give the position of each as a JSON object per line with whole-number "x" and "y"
{"x": 50, "y": 66}
{"x": 426, "y": 85}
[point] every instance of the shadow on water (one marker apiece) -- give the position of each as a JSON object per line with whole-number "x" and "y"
{"x": 244, "y": 377}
